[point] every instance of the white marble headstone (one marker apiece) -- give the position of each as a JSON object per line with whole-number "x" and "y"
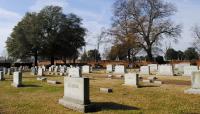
{"x": 74, "y": 72}
{"x": 145, "y": 70}
{"x": 86, "y": 69}
{"x": 109, "y": 68}
{"x": 166, "y": 70}
{"x": 131, "y": 79}
{"x": 119, "y": 69}
{"x": 189, "y": 69}
{"x": 17, "y": 79}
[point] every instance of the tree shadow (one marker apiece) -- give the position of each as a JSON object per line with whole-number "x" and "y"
{"x": 99, "y": 106}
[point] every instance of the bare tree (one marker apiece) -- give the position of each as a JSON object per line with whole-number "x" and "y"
{"x": 196, "y": 34}
{"x": 147, "y": 21}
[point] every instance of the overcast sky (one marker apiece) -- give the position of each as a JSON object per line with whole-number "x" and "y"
{"x": 95, "y": 14}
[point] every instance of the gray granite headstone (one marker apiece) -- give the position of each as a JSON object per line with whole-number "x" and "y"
{"x": 76, "y": 94}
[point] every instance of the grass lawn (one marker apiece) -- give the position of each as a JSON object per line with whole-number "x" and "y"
{"x": 38, "y": 97}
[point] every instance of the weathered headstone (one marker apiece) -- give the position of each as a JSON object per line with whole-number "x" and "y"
{"x": 62, "y": 69}
{"x": 74, "y": 72}
{"x": 131, "y": 79}
{"x": 195, "y": 79}
{"x": 9, "y": 71}
{"x": 86, "y": 69}
{"x": 5, "y": 70}
{"x": 109, "y": 68}
{"x": 33, "y": 71}
{"x": 165, "y": 70}
{"x": 1, "y": 76}
{"x": 179, "y": 68}
{"x": 119, "y": 69}
{"x": 56, "y": 69}
{"x": 145, "y": 70}
{"x": 153, "y": 67}
{"x": 189, "y": 69}
{"x": 76, "y": 94}
{"x": 40, "y": 72}
{"x": 17, "y": 79}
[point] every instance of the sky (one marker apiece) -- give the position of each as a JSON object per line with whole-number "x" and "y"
{"x": 96, "y": 14}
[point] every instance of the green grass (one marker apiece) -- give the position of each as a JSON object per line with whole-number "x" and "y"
{"x": 41, "y": 98}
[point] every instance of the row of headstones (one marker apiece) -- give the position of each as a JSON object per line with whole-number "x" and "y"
{"x": 118, "y": 69}
{"x": 65, "y": 69}
{"x": 169, "y": 70}
{"x": 9, "y": 71}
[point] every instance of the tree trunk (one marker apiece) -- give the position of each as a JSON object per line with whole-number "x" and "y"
{"x": 129, "y": 55}
{"x": 36, "y": 58}
{"x": 74, "y": 60}
{"x": 52, "y": 60}
{"x": 149, "y": 54}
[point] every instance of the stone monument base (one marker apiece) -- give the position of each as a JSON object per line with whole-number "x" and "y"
{"x": 75, "y": 106}
{"x": 192, "y": 91}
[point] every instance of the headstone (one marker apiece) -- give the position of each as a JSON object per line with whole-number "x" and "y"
{"x": 17, "y": 79}
{"x": 157, "y": 82}
{"x": 195, "y": 79}
{"x": 179, "y": 68}
{"x": 145, "y": 70}
{"x": 147, "y": 81}
{"x": 109, "y": 68}
{"x": 189, "y": 69}
{"x": 9, "y": 72}
{"x": 56, "y": 69}
{"x": 53, "y": 82}
{"x": 33, "y": 71}
{"x": 44, "y": 68}
{"x": 86, "y": 69}
{"x": 62, "y": 70}
{"x": 165, "y": 70}
{"x": 131, "y": 79}
{"x": 153, "y": 67}
{"x": 74, "y": 72}
{"x": 42, "y": 78}
{"x": 40, "y": 72}
{"x": 1, "y": 76}
{"x": 76, "y": 94}
{"x": 119, "y": 69}
{"x": 5, "y": 70}
{"x": 106, "y": 90}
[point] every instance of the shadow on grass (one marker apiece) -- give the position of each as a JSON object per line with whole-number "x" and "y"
{"x": 143, "y": 86}
{"x": 100, "y": 106}
{"x": 31, "y": 85}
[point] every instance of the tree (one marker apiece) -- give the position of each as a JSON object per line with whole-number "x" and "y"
{"x": 171, "y": 54}
{"x": 181, "y": 55}
{"x": 147, "y": 21}
{"x": 61, "y": 33}
{"x": 94, "y": 55}
{"x": 191, "y": 54}
{"x": 84, "y": 56}
{"x": 49, "y": 33}
{"x": 196, "y": 34}
{"x": 25, "y": 40}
